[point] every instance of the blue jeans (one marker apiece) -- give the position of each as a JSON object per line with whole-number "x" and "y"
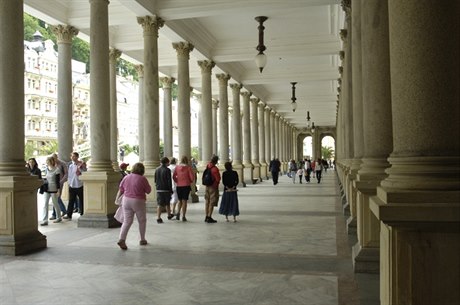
{"x": 61, "y": 206}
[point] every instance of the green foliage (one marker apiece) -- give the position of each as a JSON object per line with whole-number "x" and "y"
{"x": 125, "y": 69}
{"x": 80, "y": 51}
{"x": 196, "y": 153}
{"x": 327, "y": 152}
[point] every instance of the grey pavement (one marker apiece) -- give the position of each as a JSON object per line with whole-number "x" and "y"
{"x": 288, "y": 247}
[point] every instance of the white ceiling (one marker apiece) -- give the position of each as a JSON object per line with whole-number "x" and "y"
{"x": 301, "y": 37}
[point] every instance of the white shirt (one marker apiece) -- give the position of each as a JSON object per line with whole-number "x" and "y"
{"x": 73, "y": 178}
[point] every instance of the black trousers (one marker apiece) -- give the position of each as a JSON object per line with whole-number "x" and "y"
{"x": 275, "y": 177}
{"x": 73, "y": 194}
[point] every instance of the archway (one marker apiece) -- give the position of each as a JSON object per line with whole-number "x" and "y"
{"x": 307, "y": 147}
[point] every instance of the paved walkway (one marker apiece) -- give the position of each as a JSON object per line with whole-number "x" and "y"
{"x": 289, "y": 247}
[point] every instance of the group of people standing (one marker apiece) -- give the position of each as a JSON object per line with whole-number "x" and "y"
{"x": 304, "y": 168}
{"x": 58, "y": 172}
{"x": 173, "y": 185}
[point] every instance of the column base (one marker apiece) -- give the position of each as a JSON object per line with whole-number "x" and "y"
{"x": 263, "y": 171}
{"x": 248, "y": 174}
{"x": 18, "y": 216}
{"x": 238, "y": 167}
{"x": 366, "y": 260}
{"x": 98, "y": 221}
{"x": 19, "y": 245}
{"x": 352, "y": 225}
{"x": 99, "y": 191}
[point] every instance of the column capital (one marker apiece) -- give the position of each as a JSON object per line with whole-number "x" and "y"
{"x": 215, "y": 104}
{"x": 261, "y": 105}
{"x": 64, "y": 33}
{"x": 267, "y": 108}
{"x": 183, "y": 48}
{"x": 255, "y": 100}
{"x": 150, "y": 24}
{"x": 342, "y": 55}
{"x": 114, "y": 54}
{"x": 346, "y": 6}
{"x": 246, "y": 94}
{"x": 223, "y": 78}
{"x": 236, "y": 87}
{"x": 230, "y": 110}
{"x": 341, "y": 70}
{"x": 206, "y": 65}
{"x": 139, "y": 70}
{"x": 167, "y": 82}
{"x": 343, "y": 34}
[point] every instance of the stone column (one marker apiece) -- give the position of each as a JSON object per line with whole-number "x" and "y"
{"x": 140, "y": 134}
{"x": 151, "y": 26}
{"x": 256, "y": 176}
{"x": 199, "y": 118}
{"x": 376, "y": 127}
{"x": 418, "y": 204}
{"x": 275, "y": 137}
{"x": 18, "y": 190}
{"x": 215, "y": 130}
{"x": 261, "y": 132}
{"x": 167, "y": 83}
{"x": 268, "y": 138}
{"x": 223, "y": 118}
{"x": 114, "y": 54}
{"x": 100, "y": 181}
{"x": 183, "y": 50}
{"x": 237, "y": 134}
{"x": 230, "y": 132}
{"x": 358, "y": 138}
{"x": 247, "y": 165}
{"x": 64, "y": 35}
{"x": 206, "y": 112}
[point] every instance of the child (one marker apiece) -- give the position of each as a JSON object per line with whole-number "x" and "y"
{"x": 300, "y": 174}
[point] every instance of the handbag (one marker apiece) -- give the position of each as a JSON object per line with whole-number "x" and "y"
{"x": 119, "y": 199}
{"x": 119, "y": 215}
{"x": 43, "y": 188}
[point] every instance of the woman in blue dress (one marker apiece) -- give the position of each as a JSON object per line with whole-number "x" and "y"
{"x": 229, "y": 203}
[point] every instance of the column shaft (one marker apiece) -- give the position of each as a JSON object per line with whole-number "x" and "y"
{"x": 167, "y": 116}
{"x": 18, "y": 190}
{"x": 418, "y": 203}
{"x": 183, "y": 108}
{"x": 64, "y": 35}
{"x": 223, "y": 118}
{"x": 151, "y": 25}
{"x": 206, "y": 110}
{"x": 237, "y": 134}
{"x": 114, "y": 54}
{"x": 215, "y": 130}
{"x": 140, "y": 134}
{"x": 255, "y": 140}
{"x": 261, "y": 131}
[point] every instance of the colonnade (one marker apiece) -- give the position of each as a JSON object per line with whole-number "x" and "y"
{"x": 398, "y": 154}
{"x": 258, "y": 132}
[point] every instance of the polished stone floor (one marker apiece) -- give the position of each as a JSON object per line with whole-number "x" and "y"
{"x": 288, "y": 247}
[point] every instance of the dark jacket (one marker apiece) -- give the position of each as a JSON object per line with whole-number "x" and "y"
{"x": 163, "y": 180}
{"x": 230, "y": 179}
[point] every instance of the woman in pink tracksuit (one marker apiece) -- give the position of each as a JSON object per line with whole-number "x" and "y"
{"x": 184, "y": 177}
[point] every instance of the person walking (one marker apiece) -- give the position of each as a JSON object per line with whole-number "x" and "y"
{"x": 76, "y": 167}
{"x": 229, "y": 204}
{"x": 174, "y": 199}
{"x": 307, "y": 167}
{"x": 318, "y": 169}
{"x": 52, "y": 191}
{"x": 293, "y": 170}
{"x": 163, "y": 183}
{"x": 63, "y": 168}
{"x": 184, "y": 177}
{"x": 274, "y": 168}
{"x": 134, "y": 188}
{"x": 212, "y": 190}
{"x": 300, "y": 174}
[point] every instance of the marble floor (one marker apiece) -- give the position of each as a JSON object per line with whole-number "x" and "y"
{"x": 288, "y": 247}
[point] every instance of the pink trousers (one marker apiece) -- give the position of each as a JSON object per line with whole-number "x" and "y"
{"x": 133, "y": 206}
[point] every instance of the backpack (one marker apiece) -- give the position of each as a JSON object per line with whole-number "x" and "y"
{"x": 207, "y": 179}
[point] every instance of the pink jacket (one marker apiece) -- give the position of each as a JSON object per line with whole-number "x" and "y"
{"x": 135, "y": 186}
{"x": 183, "y": 175}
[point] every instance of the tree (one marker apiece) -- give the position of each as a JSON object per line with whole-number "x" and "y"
{"x": 327, "y": 152}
